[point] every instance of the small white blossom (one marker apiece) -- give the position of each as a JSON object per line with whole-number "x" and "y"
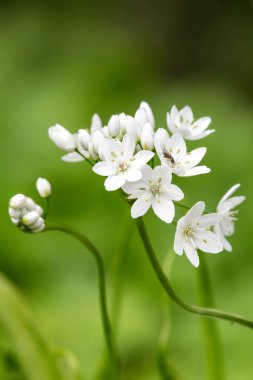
{"x": 43, "y": 187}
{"x": 145, "y": 115}
{"x": 154, "y": 190}
{"x": 193, "y": 232}
{"x": 172, "y": 152}
{"x": 183, "y": 122}
{"x": 62, "y": 138}
{"x": 120, "y": 163}
{"x": 147, "y": 137}
{"x": 26, "y": 214}
{"x": 225, "y": 209}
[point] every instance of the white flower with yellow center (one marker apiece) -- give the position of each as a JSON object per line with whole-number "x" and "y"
{"x": 173, "y": 153}
{"x": 183, "y": 122}
{"x": 193, "y": 233}
{"x": 120, "y": 163}
{"x": 225, "y": 209}
{"x": 154, "y": 190}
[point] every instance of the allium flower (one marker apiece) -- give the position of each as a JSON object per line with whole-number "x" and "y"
{"x": 26, "y": 214}
{"x": 193, "y": 232}
{"x": 43, "y": 187}
{"x": 120, "y": 163}
{"x": 62, "y": 138}
{"x": 183, "y": 122}
{"x": 144, "y": 115}
{"x": 154, "y": 190}
{"x": 225, "y": 209}
{"x": 172, "y": 152}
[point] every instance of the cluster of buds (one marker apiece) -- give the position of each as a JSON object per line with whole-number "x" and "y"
{"x": 25, "y": 213}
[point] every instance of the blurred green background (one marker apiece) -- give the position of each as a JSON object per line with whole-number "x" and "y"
{"x": 63, "y": 61}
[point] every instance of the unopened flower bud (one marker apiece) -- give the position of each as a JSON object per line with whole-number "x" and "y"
{"x": 97, "y": 139}
{"x": 30, "y": 218}
{"x": 96, "y": 123}
{"x": 84, "y": 138}
{"x": 147, "y": 137}
{"x": 62, "y": 138}
{"x": 17, "y": 201}
{"x": 114, "y": 125}
{"x": 43, "y": 187}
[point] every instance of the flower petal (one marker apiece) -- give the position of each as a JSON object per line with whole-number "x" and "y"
{"x": 163, "y": 173}
{"x": 164, "y": 209}
{"x": 194, "y": 157}
{"x": 141, "y": 158}
{"x": 191, "y": 253}
{"x": 195, "y": 171}
{"x": 208, "y": 242}
{"x": 114, "y": 182}
{"x": 209, "y": 220}
{"x": 104, "y": 168}
{"x": 229, "y": 193}
{"x": 193, "y": 215}
{"x": 128, "y": 146}
{"x": 72, "y": 157}
{"x": 133, "y": 175}
{"x": 140, "y": 207}
{"x": 236, "y": 201}
{"x": 201, "y": 135}
{"x": 110, "y": 149}
{"x": 179, "y": 241}
{"x": 200, "y": 125}
{"x": 217, "y": 230}
{"x": 173, "y": 193}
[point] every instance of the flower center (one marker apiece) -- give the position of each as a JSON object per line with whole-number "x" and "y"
{"x": 155, "y": 189}
{"x": 189, "y": 231}
{"x": 122, "y": 166}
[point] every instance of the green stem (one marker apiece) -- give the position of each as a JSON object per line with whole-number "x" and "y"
{"x": 102, "y": 287}
{"x": 214, "y": 354}
{"x": 202, "y": 311}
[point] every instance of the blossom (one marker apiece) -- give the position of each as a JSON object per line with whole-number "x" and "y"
{"x": 183, "y": 122}
{"x": 62, "y": 138}
{"x": 43, "y": 187}
{"x": 173, "y": 153}
{"x": 154, "y": 190}
{"x": 26, "y": 214}
{"x": 144, "y": 115}
{"x": 120, "y": 163}
{"x": 225, "y": 209}
{"x": 193, "y": 232}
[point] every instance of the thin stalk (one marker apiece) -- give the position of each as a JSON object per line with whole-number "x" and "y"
{"x": 213, "y": 348}
{"x": 102, "y": 288}
{"x": 202, "y": 311}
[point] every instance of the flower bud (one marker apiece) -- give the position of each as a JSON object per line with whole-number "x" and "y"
{"x": 17, "y": 201}
{"x": 84, "y": 138}
{"x": 43, "y": 187}
{"x": 30, "y": 218}
{"x": 96, "y": 123}
{"x": 62, "y": 138}
{"x": 114, "y": 125}
{"x": 97, "y": 139}
{"x": 147, "y": 137}
{"x": 145, "y": 106}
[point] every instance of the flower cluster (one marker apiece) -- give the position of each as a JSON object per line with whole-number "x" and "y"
{"x": 140, "y": 160}
{"x": 25, "y": 213}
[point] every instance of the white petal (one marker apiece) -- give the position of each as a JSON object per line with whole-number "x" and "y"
{"x": 164, "y": 173}
{"x": 133, "y": 175}
{"x": 236, "y": 201}
{"x": 128, "y": 146}
{"x": 195, "y": 171}
{"x": 179, "y": 241}
{"x": 136, "y": 189}
{"x": 209, "y": 220}
{"x": 187, "y": 114}
{"x": 173, "y": 193}
{"x": 201, "y": 135}
{"x": 110, "y": 149}
{"x": 227, "y": 246}
{"x": 96, "y": 123}
{"x": 141, "y": 158}
{"x": 191, "y": 253}
{"x": 114, "y": 182}
{"x": 72, "y": 157}
{"x": 200, "y": 125}
{"x": 104, "y": 168}
{"x": 229, "y": 192}
{"x": 140, "y": 207}
{"x": 176, "y": 146}
{"x": 164, "y": 209}
{"x": 161, "y": 138}
{"x": 208, "y": 242}
{"x": 194, "y": 157}
{"x": 193, "y": 215}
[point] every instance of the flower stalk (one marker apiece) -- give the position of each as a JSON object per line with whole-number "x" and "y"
{"x": 102, "y": 289}
{"x": 201, "y": 311}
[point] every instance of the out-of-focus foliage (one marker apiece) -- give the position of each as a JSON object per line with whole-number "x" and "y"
{"x": 61, "y": 62}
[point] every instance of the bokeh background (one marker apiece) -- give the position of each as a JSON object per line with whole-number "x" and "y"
{"x": 63, "y": 61}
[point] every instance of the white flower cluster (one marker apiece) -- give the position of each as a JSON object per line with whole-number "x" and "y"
{"x": 25, "y": 213}
{"x": 121, "y": 151}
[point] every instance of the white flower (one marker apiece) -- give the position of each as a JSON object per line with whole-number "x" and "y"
{"x": 183, "y": 122}
{"x": 120, "y": 163}
{"x": 147, "y": 137}
{"x": 26, "y": 214}
{"x": 172, "y": 152}
{"x": 225, "y": 209}
{"x": 43, "y": 187}
{"x": 193, "y": 232}
{"x": 62, "y": 138}
{"x": 154, "y": 190}
{"x": 117, "y": 126}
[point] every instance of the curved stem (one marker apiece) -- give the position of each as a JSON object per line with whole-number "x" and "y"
{"x": 214, "y": 353}
{"x": 102, "y": 286}
{"x": 202, "y": 311}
